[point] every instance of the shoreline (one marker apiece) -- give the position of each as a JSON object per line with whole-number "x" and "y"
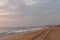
{"x": 21, "y": 32}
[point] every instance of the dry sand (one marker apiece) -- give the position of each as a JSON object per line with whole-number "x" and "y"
{"x": 46, "y": 34}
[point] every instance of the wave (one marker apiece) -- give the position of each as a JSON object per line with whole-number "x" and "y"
{"x": 20, "y": 31}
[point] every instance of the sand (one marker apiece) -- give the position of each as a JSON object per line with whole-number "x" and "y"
{"x": 52, "y": 33}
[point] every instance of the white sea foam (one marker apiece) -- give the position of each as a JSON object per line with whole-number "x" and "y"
{"x": 26, "y": 30}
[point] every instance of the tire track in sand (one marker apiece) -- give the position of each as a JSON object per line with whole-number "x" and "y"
{"x": 38, "y": 35}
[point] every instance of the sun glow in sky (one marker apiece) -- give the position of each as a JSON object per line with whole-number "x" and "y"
{"x": 4, "y": 13}
{"x": 17, "y": 13}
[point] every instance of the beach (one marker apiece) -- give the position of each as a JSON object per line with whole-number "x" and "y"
{"x": 52, "y": 33}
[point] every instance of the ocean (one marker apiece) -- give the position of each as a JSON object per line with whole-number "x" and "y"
{"x": 9, "y": 31}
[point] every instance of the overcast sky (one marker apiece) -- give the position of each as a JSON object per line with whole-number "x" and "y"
{"x": 17, "y": 13}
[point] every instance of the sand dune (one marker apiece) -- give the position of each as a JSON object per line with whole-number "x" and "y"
{"x": 52, "y": 33}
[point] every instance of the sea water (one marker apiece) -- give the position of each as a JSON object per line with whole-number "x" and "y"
{"x": 4, "y": 33}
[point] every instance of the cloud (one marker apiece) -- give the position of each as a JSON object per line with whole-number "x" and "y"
{"x": 29, "y": 12}
{"x": 30, "y": 2}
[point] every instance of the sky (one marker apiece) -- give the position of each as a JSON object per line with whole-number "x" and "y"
{"x": 18, "y": 13}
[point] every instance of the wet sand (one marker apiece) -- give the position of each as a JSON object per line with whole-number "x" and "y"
{"x": 52, "y": 33}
